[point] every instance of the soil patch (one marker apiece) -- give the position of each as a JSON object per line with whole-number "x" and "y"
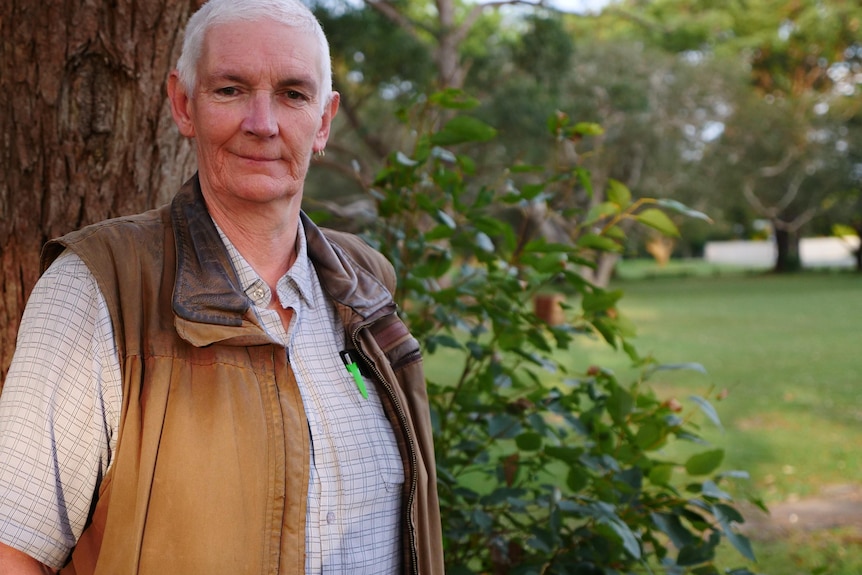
{"x": 835, "y": 506}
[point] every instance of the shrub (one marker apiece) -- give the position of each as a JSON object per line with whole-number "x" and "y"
{"x": 542, "y": 469}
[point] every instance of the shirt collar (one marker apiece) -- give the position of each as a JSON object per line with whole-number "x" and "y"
{"x": 297, "y": 280}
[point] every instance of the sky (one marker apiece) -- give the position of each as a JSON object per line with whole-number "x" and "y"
{"x": 579, "y": 6}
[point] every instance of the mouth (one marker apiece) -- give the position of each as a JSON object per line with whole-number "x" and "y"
{"x": 258, "y": 157}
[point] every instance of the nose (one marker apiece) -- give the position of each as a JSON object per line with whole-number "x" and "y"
{"x": 260, "y": 118}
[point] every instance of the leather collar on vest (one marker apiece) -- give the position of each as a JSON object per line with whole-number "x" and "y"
{"x": 207, "y": 294}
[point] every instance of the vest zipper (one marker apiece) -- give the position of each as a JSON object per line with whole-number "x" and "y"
{"x": 402, "y": 417}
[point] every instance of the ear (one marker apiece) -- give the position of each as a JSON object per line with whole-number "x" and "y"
{"x": 180, "y": 105}
{"x": 329, "y": 112}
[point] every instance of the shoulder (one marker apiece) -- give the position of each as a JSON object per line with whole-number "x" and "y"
{"x": 364, "y": 255}
{"x": 121, "y": 236}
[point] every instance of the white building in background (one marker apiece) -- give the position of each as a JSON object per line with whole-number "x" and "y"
{"x": 830, "y": 252}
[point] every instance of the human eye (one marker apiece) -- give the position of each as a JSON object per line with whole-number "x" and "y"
{"x": 227, "y": 91}
{"x": 296, "y": 95}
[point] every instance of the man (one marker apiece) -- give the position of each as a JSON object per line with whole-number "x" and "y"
{"x": 218, "y": 386}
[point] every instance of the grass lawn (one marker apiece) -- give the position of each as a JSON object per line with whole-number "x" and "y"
{"x": 785, "y": 349}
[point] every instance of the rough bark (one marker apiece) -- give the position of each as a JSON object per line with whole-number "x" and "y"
{"x": 87, "y": 132}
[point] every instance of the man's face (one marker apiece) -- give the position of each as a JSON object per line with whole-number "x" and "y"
{"x": 255, "y": 114}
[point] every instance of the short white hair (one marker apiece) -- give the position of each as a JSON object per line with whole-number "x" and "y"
{"x": 292, "y": 13}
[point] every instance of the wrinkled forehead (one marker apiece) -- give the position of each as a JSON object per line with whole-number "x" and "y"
{"x": 261, "y": 44}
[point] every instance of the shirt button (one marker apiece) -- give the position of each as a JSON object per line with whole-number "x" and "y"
{"x": 257, "y": 293}
{"x": 330, "y": 517}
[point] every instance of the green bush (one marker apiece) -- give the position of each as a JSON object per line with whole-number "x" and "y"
{"x": 541, "y": 469}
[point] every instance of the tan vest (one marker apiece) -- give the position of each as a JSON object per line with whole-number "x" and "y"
{"x": 211, "y": 468}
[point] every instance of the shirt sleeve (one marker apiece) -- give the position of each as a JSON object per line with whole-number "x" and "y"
{"x": 59, "y": 412}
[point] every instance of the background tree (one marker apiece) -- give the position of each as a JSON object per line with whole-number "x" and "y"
{"x": 87, "y": 131}
{"x": 427, "y": 46}
{"x": 845, "y": 216}
{"x": 802, "y": 55}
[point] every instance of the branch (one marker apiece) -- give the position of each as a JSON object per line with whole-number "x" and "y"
{"x": 637, "y": 167}
{"x": 792, "y": 191}
{"x": 754, "y": 201}
{"x": 641, "y": 21}
{"x": 796, "y": 223}
{"x": 348, "y": 169}
{"x": 357, "y": 212}
{"x": 772, "y": 171}
{"x": 374, "y": 143}
{"x": 460, "y": 34}
{"x": 391, "y": 12}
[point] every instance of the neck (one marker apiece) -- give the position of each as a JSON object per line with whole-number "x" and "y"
{"x": 266, "y": 240}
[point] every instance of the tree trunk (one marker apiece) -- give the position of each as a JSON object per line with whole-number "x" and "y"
{"x": 857, "y": 253}
{"x": 87, "y": 130}
{"x": 787, "y": 251}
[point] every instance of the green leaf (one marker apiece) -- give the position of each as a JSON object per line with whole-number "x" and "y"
{"x": 549, "y": 263}
{"x": 710, "y": 489}
{"x": 607, "y": 331}
{"x": 606, "y": 514}
{"x": 490, "y": 226}
{"x": 616, "y": 233}
{"x": 695, "y": 554}
{"x": 529, "y": 441}
{"x": 672, "y": 526}
{"x": 704, "y": 463}
{"x": 484, "y": 243}
{"x": 683, "y": 209}
{"x": 650, "y": 436}
{"x": 435, "y": 264}
{"x": 446, "y": 341}
{"x": 438, "y": 232}
{"x": 620, "y": 404}
{"x": 726, "y": 516}
{"x": 585, "y": 180}
{"x": 577, "y": 478}
{"x": 454, "y": 99}
{"x": 707, "y": 408}
{"x": 679, "y": 366}
{"x": 503, "y": 426}
{"x": 735, "y": 474}
{"x": 727, "y": 513}
{"x": 530, "y": 191}
{"x": 526, "y": 169}
{"x": 402, "y": 159}
{"x": 463, "y": 129}
{"x": 444, "y": 155}
{"x": 658, "y": 220}
{"x": 597, "y": 242}
{"x": 600, "y": 300}
{"x": 445, "y": 219}
{"x": 588, "y": 129}
{"x": 565, "y": 454}
{"x": 661, "y": 474}
{"x": 602, "y": 210}
{"x": 619, "y": 194}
